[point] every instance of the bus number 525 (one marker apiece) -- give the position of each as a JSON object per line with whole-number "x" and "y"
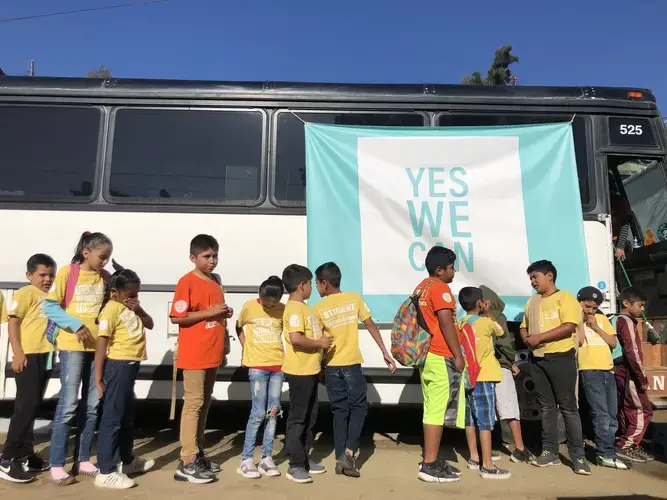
{"x": 631, "y": 130}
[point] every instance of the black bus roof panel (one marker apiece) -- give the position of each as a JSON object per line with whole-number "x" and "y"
{"x": 126, "y": 87}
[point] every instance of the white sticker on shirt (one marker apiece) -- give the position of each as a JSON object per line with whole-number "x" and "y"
{"x": 446, "y": 297}
{"x": 13, "y": 307}
{"x": 53, "y": 288}
{"x": 104, "y": 325}
{"x": 294, "y": 320}
{"x": 181, "y": 306}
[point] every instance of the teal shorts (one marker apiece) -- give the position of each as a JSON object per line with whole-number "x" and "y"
{"x": 442, "y": 388}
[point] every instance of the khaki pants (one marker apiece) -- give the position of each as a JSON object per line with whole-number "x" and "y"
{"x": 198, "y": 389}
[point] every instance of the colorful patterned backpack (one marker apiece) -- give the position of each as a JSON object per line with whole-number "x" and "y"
{"x": 410, "y": 338}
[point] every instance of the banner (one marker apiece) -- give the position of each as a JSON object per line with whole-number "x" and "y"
{"x": 378, "y": 199}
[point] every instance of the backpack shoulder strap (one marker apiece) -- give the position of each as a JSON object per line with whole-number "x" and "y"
{"x": 70, "y": 287}
{"x": 420, "y": 292}
{"x": 471, "y": 319}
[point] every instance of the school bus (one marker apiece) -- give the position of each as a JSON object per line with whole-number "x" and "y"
{"x": 151, "y": 163}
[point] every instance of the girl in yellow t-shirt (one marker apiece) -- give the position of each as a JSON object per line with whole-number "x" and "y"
{"x": 75, "y": 312}
{"x": 121, "y": 347}
{"x": 259, "y": 328}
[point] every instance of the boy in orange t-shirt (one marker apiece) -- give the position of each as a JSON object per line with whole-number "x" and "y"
{"x": 442, "y": 372}
{"x": 201, "y": 314}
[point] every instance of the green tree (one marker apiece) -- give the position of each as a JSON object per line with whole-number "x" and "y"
{"x": 101, "y": 72}
{"x": 499, "y": 73}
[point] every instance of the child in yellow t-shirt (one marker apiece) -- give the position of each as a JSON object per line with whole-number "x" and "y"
{"x": 596, "y": 338}
{"x": 339, "y": 315}
{"x": 76, "y": 351}
{"x": 548, "y": 329}
{"x": 121, "y": 347}
{"x": 27, "y": 327}
{"x": 259, "y": 328}
{"x": 481, "y": 401}
{"x": 302, "y": 365}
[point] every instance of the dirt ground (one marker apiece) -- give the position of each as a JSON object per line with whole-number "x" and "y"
{"x": 389, "y": 470}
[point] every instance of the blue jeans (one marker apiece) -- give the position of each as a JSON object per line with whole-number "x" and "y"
{"x": 115, "y": 437}
{"x": 600, "y": 389}
{"x": 265, "y": 388}
{"x": 77, "y": 369}
{"x": 346, "y": 389}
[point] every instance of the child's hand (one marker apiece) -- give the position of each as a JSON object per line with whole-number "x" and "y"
{"x": 101, "y": 387}
{"x": 229, "y": 313}
{"x": 533, "y": 341}
{"x": 133, "y": 304}
{"x": 325, "y": 342}
{"x": 460, "y": 363}
{"x": 19, "y": 363}
{"x": 218, "y": 310}
{"x": 591, "y": 321}
{"x": 515, "y": 370}
{"x": 391, "y": 364}
{"x": 83, "y": 334}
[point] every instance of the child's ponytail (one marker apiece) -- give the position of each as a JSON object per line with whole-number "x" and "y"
{"x": 272, "y": 288}
{"x": 89, "y": 241}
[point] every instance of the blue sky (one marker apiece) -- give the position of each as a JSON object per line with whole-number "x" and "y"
{"x": 567, "y": 42}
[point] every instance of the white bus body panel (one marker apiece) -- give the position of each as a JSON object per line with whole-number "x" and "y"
{"x": 156, "y": 246}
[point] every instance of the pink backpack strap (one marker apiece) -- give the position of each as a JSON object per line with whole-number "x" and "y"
{"x": 72, "y": 279}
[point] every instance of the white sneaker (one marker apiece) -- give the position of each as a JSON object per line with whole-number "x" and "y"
{"x": 248, "y": 469}
{"x": 267, "y": 467}
{"x": 137, "y": 466}
{"x": 115, "y": 481}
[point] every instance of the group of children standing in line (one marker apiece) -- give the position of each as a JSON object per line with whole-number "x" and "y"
{"x": 569, "y": 340}
{"x": 98, "y": 326}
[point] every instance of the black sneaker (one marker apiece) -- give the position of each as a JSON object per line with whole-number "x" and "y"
{"x": 629, "y": 455}
{"x": 519, "y": 456}
{"x": 546, "y": 459}
{"x": 35, "y": 463}
{"x": 644, "y": 453}
{"x": 452, "y": 469}
{"x": 12, "y": 470}
{"x": 437, "y": 472}
{"x": 206, "y": 462}
{"x": 194, "y": 472}
{"x": 346, "y": 466}
{"x": 494, "y": 473}
{"x": 580, "y": 466}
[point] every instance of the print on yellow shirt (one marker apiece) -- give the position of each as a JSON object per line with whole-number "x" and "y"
{"x": 299, "y": 318}
{"x": 339, "y": 315}
{"x": 595, "y": 353}
{"x": 26, "y": 305}
{"x": 85, "y": 305}
{"x": 125, "y": 330}
{"x": 485, "y": 329}
{"x": 555, "y": 310}
{"x": 263, "y": 334}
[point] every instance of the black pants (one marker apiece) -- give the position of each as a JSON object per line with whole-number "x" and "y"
{"x": 30, "y": 387}
{"x": 301, "y": 418}
{"x": 346, "y": 388}
{"x": 115, "y": 438}
{"x": 555, "y": 377}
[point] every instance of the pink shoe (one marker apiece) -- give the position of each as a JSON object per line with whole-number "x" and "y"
{"x": 60, "y": 477}
{"x": 85, "y": 469}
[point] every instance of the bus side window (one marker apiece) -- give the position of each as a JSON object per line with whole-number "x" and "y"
{"x": 48, "y": 153}
{"x": 289, "y": 188}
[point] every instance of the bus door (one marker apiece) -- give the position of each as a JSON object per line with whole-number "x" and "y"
{"x": 638, "y": 190}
